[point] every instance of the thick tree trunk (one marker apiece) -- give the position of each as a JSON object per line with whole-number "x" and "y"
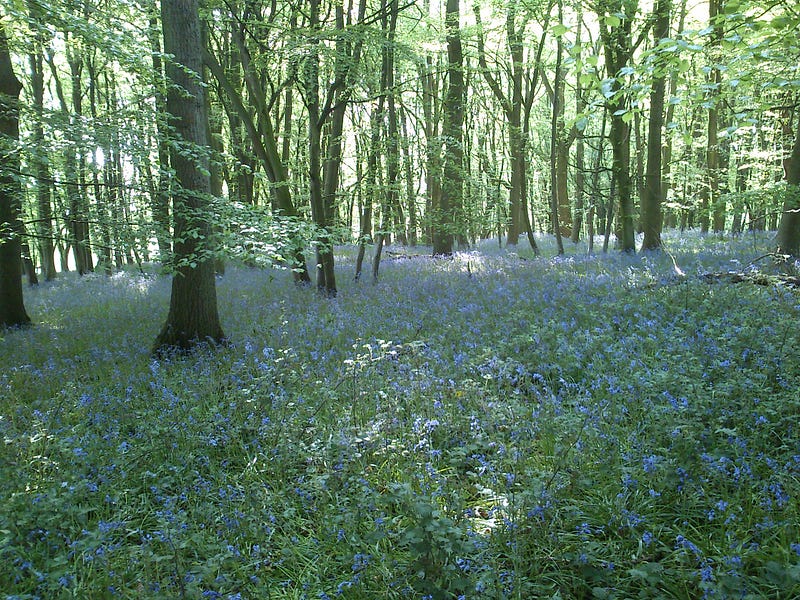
{"x": 12, "y": 307}
{"x": 788, "y": 238}
{"x": 193, "y": 316}
{"x": 452, "y": 193}
{"x": 652, "y": 196}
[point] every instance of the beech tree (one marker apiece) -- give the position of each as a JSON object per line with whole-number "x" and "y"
{"x": 12, "y": 308}
{"x": 652, "y": 217}
{"x": 616, "y": 24}
{"x": 193, "y": 316}
{"x": 41, "y": 158}
{"x": 788, "y": 240}
{"x": 451, "y": 199}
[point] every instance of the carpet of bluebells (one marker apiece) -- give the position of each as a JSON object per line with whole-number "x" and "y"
{"x": 488, "y": 426}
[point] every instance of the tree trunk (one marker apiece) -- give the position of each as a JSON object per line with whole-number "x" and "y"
{"x": 712, "y": 150}
{"x": 193, "y": 316}
{"x": 411, "y": 195}
{"x": 512, "y": 104}
{"x": 160, "y": 200}
{"x": 262, "y": 136}
{"x": 558, "y": 173}
{"x": 431, "y": 113}
{"x": 652, "y": 196}
{"x": 388, "y": 24}
{"x": 370, "y": 179}
{"x": 580, "y": 106}
{"x": 452, "y": 131}
{"x": 12, "y": 307}
{"x": 788, "y": 238}
{"x": 666, "y": 156}
{"x": 326, "y": 282}
{"x": 44, "y": 224}
{"x": 618, "y": 50}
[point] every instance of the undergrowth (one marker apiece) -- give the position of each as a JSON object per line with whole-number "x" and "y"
{"x": 491, "y": 426}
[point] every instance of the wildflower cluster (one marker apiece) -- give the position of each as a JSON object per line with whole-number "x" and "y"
{"x": 481, "y": 427}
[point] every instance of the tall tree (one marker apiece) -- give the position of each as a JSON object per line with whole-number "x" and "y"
{"x": 160, "y": 194}
{"x": 388, "y": 27}
{"x": 193, "y": 315}
{"x": 580, "y": 152}
{"x": 616, "y": 22}
{"x": 44, "y": 217}
{"x": 513, "y": 103}
{"x": 12, "y": 307}
{"x": 652, "y": 197}
{"x": 261, "y": 134}
{"x": 788, "y": 239}
{"x": 451, "y": 199}
{"x": 712, "y": 147}
{"x": 558, "y": 167}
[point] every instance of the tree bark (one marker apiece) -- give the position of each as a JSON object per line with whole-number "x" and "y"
{"x": 652, "y": 196}
{"x": 712, "y": 150}
{"x": 788, "y": 238}
{"x": 12, "y": 307}
{"x": 512, "y": 105}
{"x": 44, "y": 224}
{"x": 451, "y": 199}
{"x": 160, "y": 200}
{"x": 193, "y": 317}
{"x": 265, "y": 145}
{"x": 558, "y": 167}
{"x": 618, "y": 51}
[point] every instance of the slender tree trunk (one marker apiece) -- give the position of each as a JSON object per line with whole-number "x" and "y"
{"x": 388, "y": 22}
{"x": 395, "y": 219}
{"x": 262, "y": 136}
{"x": 560, "y": 150}
{"x": 556, "y": 133}
{"x": 326, "y": 283}
{"x": 44, "y": 228}
{"x": 580, "y": 106}
{"x": 160, "y": 201}
{"x": 512, "y": 104}
{"x": 193, "y": 317}
{"x": 618, "y": 50}
{"x": 411, "y": 195}
{"x": 430, "y": 111}
{"x": 12, "y": 307}
{"x": 712, "y": 150}
{"x": 666, "y": 158}
{"x": 80, "y": 208}
{"x": 370, "y": 185}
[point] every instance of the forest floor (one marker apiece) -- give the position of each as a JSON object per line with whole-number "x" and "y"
{"x": 488, "y": 426}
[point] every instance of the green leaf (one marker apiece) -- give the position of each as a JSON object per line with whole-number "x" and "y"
{"x": 560, "y": 30}
{"x": 612, "y": 21}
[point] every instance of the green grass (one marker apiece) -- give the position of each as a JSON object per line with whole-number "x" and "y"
{"x": 492, "y": 426}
